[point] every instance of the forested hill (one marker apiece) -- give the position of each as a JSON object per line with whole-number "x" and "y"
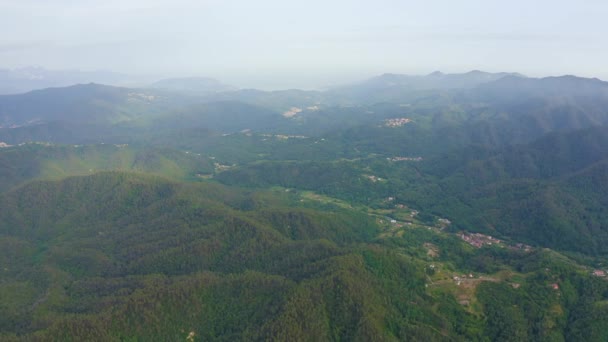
{"x": 116, "y": 256}
{"x": 83, "y": 103}
{"x": 549, "y": 192}
{"x": 110, "y": 245}
{"x": 552, "y": 156}
{"x": 468, "y": 207}
{"x": 24, "y": 163}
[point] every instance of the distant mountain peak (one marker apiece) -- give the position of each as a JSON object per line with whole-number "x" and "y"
{"x": 434, "y": 80}
{"x": 390, "y": 75}
{"x": 573, "y": 78}
{"x": 21, "y": 80}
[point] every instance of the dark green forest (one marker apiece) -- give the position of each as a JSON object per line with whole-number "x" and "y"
{"x": 468, "y": 207}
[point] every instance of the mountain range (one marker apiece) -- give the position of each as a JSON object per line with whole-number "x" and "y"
{"x": 460, "y": 207}
{"x": 21, "y": 80}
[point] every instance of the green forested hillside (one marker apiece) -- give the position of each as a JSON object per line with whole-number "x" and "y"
{"x": 446, "y": 207}
{"x": 83, "y": 103}
{"x": 126, "y": 256}
{"x": 222, "y": 116}
{"x": 134, "y": 241}
{"x": 548, "y": 192}
{"x": 20, "y": 164}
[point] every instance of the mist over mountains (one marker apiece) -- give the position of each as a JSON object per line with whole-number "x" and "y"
{"x": 21, "y": 80}
{"x": 185, "y": 170}
{"x": 25, "y": 79}
{"x": 464, "y": 207}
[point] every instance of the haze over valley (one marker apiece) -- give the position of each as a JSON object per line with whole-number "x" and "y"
{"x": 345, "y": 171}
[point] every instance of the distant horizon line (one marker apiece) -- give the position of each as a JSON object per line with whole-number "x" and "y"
{"x": 140, "y": 80}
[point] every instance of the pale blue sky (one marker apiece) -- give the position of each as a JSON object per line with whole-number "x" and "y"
{"x": 279, "y": 44}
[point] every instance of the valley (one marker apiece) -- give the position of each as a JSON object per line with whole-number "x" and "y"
{"x": 476, "y": 212}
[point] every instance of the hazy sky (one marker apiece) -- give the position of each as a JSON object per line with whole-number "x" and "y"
{"x": 284, "y": 43}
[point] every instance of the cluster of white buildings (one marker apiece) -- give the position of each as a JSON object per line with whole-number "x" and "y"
{"x": 396, "y": 122}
